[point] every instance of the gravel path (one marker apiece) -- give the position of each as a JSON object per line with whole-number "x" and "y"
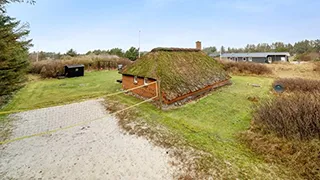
{"x": 98, "y": 150}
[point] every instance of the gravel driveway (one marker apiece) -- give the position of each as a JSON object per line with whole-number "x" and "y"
{"x": 97, "y": 150}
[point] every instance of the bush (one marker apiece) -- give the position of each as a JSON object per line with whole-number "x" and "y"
{"x": 293, "y": 116}
{"x": 246, "y": 68}
{"x": 54, "y": 68}
{"x": 286, "y": 130}
{"x": 298, "y": 84}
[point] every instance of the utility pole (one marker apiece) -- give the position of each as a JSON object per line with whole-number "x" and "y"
{"x": 139, "y": 43}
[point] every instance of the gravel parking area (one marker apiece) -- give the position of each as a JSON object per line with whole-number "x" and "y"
{"x": 97, "y": 150}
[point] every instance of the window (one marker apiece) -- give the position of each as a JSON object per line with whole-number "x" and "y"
{"x": 250, "y": 59}
{"x": 135, "y": 79}
{"x": 145, "y": 81}
{"x": 244, "y": 59}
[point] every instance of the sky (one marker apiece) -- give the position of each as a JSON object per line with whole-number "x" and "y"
{"x": 58, "y": 25}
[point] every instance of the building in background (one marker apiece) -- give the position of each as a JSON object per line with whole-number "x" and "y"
{"x": 261, "y": 57}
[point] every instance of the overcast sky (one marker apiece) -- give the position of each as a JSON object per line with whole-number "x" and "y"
{"x": 58, "y": 25}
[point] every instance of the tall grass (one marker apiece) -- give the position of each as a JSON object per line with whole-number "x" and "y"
{"x": 317, "y": 67}
{"x": 246, "y": 68}
{"x": 293, "y": 116}
{"x": 54, "y": 68}
{"x": 298, "y": 84}
{"x": 302, "y": 157}
{"x": 286, "y": 130}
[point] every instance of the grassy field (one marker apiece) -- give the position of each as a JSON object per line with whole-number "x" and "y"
{"x": 210, "y": 124}
{"x": 50, "y": 92}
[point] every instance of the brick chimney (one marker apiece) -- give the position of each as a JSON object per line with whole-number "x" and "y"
{"x": 198, "y": 45}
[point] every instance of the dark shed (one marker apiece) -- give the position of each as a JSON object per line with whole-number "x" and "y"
{"x": 74, "y": 70}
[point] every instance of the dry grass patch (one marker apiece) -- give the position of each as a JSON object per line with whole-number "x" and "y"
{"x": 298, "y": 84}
{"x": 317, "y": 67}
{"x": 289, "y": 70}
{"x": 292, "y": 116}
{"x": 246, "y": 68}
{"x": 302, "y": 157}
{"x": 286, "y": 130}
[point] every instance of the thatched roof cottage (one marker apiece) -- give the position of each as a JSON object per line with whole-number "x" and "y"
{"x": 185, "y": 74}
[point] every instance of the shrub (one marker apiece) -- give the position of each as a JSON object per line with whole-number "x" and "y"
{"x": 286, "y": 130}
{"x": 293, "y": 116}
{"x": 54, "y": 68}
{"x": 299, "y": 84}
{"x": 246, "y": 68}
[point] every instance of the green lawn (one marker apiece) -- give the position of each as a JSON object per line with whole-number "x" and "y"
{"x": 50, "y": 92}
{"x": 211, "y": 124}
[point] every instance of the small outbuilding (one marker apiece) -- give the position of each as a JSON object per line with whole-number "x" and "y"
{"x": 74, "y": 70}
{"x": 260, "y": 57}
{"x": 184, "y": 74}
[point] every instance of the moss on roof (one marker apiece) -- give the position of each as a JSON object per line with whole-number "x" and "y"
{"x": 175, "y": 49}
{"x": 180, "y": 71}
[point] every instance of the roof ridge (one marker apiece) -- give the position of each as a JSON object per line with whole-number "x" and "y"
{"x": 173, "y": 49}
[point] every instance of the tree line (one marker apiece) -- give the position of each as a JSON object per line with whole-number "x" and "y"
{"x": 132, "y": 54}
{"x": 298, "y": 48}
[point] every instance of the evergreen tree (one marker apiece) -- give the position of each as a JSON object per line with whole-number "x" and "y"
{"x": 132, "y": 53}
{"x": 116, "y": 51}
{"x": 72, "y": 53}
{"x": 13, "y": 54}
{"x": 222, "y": 49}
{"x": 210, "y": 50}
{"x": 4, "y": 2}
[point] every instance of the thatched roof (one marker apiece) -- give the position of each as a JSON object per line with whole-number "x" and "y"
{"x": 181, "y": 71}
{"x": 175, "y": 49}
